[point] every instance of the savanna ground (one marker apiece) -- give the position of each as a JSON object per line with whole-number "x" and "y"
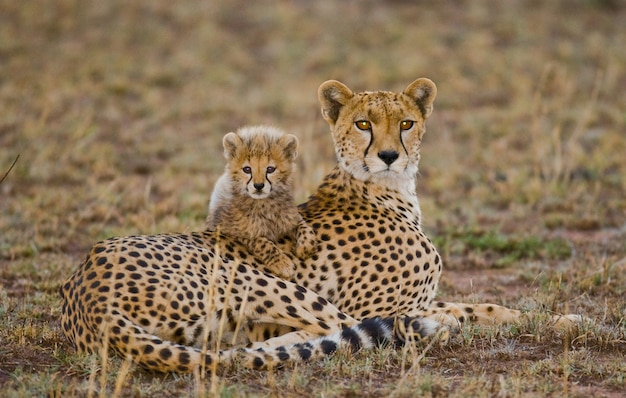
{"x": 116, "y": 110}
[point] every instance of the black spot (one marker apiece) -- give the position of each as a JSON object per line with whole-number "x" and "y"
{"x": 283, "y": 356}
{"x": 258, "y": 363}
{"x": 304, "y": 353}
{"x": 352, "y": 337}
{"x": 165, "y": 353}
{"x": 184, "y": 358}
{"x": 103, "y": 289}
{"x": 328, "y": 347}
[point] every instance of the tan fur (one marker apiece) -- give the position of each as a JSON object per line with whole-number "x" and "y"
{"x": 371, "y": 281}
{"x": 256, "y": 206}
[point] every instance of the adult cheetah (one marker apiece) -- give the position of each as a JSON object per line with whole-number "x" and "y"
{"x": 170, "y": 300}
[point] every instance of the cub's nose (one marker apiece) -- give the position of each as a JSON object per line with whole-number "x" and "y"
{"x": 388, "y": 156}
{"x": 258, "y": 185}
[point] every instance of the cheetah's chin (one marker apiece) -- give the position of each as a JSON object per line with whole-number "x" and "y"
{"x": 259, "y": 195}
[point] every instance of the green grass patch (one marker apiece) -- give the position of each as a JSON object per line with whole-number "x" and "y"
{"x": 502, "y": 250}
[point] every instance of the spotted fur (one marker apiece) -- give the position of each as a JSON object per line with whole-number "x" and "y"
{"x": 253, "y": 200}
{"x": 178, "y": 302}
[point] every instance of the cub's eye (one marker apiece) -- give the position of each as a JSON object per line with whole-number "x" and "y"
{"x": 271, "y": 169}
{"x": 406, "y": 125}
{"x": 247, "y": 170}
{"x": 363, "y": 125}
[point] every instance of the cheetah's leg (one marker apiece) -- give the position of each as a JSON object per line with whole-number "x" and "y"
{"x": 306, "y": 241}
{"x": 151, "y": 351}
{"x": 455, "y": 314}
{"x": 281, "y": 302}
{"x": 274, "y": 259}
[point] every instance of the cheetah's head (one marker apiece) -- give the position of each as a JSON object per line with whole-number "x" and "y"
{"x": 261, "y": 160}
{"x": 377, "y": 135}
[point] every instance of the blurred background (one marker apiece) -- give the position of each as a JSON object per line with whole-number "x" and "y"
{"x": 117, "y": 108}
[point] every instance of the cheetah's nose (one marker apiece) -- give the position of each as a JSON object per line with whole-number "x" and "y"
{"x": 258, "y": 186}
{"x": 388, "y": 156}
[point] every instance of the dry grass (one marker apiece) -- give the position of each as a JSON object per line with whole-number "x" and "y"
{"x": 116, "y": 111}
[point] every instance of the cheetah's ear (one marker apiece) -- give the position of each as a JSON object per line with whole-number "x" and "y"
{"x": 290, "y": 146}
{"x": 231, "y": 142}
{"x": 333, "y": 95}
{"x": 423, "y": 91}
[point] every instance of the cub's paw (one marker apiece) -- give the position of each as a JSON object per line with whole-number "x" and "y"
{"x": 281, "y": 265}
{"x": 306, "y": 248}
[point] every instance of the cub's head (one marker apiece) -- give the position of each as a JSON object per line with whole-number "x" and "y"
{"x": 377, "y": 135}
{"x": 260, "y": 160}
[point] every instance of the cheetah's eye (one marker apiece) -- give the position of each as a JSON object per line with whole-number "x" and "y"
{"x": 271, "y": 169}
{"x": 406, "y": 125}
{"x": 247, "y": 170}
{"x": 363, "y": 125}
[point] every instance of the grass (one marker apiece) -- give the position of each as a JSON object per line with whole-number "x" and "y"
{"x": 116, "y": 111}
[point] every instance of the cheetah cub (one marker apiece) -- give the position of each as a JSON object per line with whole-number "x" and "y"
{"x": 253, "y": 200}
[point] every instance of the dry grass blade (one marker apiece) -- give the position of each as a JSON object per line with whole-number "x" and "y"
{"x": 10, "y": 168}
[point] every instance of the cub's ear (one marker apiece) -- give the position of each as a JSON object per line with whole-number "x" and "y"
{"x": 333, "y": 95}
{"x": 289, "y": 143}
{"x": 423, "y": 91}
{"x": 231, "y": 142}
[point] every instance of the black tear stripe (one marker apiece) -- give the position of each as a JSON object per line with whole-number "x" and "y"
{"x": 368, "y": 146}
{"x": 402, "y": 143}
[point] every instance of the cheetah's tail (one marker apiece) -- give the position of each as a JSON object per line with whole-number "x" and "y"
{"x": 155, "y": 354}
{"x": 368, "y": 334}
